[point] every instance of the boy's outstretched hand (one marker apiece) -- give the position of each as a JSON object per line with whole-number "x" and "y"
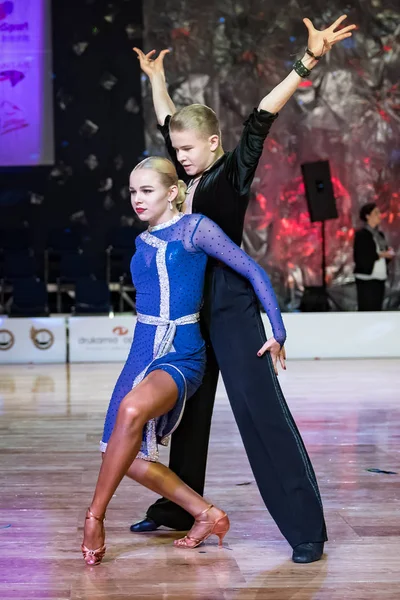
{"x": 320, "y": 42}
{"x": 149, "y": 65}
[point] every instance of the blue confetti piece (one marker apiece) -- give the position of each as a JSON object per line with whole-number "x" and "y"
{"x": 349, "y": 43}
{"x": 6, "y": 526}
{"x": 394, "y": 157}
{"x": 292, "y": 38}
{"x": 222, "y": 19}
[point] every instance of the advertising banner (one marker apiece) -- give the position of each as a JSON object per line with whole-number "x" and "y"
{"x": 41, "y": 340}
{"x": 100, "y": 339}
{"x": 26, "y": 105}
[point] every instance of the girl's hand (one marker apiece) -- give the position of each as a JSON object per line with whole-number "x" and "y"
{"x": 277, "y": 353}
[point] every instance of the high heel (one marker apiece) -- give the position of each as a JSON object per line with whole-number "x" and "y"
{"x": 219, "y": 527}
{"x": 93, "y": 557}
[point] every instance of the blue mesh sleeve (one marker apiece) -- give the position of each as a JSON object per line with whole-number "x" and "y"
{"x": 210, "y": 238}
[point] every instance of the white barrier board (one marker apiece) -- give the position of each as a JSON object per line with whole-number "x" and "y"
{"x": 342, "y": 334}
{"x": 104, "y": 339}
{"x": 100, "y": 339}
{"x": 33, "y": 340}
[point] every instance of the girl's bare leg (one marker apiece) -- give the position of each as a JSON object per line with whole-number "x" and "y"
{"x": 160, "y": 479}
{"x": 153, "y": 397}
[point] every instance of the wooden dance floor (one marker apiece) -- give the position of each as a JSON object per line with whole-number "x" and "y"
{"x": 51, "y": 421}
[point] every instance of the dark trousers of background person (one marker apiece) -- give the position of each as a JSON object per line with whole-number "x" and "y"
{"x": 370, "y": 294}
{"x": 276, "y": 452}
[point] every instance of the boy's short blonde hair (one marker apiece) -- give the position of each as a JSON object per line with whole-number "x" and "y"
{"x": 196, "y": 117}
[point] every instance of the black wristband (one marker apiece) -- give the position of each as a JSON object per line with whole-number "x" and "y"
{"x": 311, "y": 53}
{"x": 301, "y": 69}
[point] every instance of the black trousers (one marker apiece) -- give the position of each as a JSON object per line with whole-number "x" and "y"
{"x": 370, "y": 294}
{"x": 276, "y": 452}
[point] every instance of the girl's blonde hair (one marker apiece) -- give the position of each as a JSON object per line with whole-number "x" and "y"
{"x": 197, "y": 117}
{"x": 168, "y": 175}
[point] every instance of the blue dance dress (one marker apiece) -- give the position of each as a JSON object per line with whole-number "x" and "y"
{"x": 168, "y": 270}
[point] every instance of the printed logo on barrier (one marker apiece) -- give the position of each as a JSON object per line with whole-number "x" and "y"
{"x": 43, "y": 339}
{"x": 7, "y": 339}
{"x": 118, "y": 338}
{"x": 120, "y": 330}
{"x": 6, "y": 9}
